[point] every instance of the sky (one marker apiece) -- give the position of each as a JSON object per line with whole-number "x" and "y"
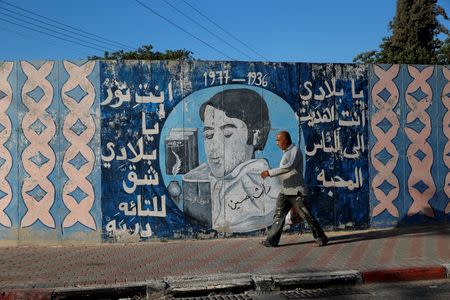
{"x": 246, "y": 30}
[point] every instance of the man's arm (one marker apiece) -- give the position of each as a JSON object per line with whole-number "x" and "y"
{"x": 286, "y": 163}
{"x": 277, "y": 171}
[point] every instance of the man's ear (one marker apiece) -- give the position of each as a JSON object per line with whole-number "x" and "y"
{"x": 256, "y": 134}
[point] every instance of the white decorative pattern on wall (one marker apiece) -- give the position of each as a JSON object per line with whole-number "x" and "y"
{"x": 79, "y": 158}
{"x": 385, "y": 111}
{"x": 38, "y": 158}
{"x": 5, "y": 133}
{"x": 421, "y": 184}
{"x": 446, "y": 129}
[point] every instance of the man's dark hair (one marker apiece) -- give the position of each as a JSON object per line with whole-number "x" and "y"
{"x": 246, "y": 105}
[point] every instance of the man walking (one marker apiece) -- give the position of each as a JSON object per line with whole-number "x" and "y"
{"x": 292, "y": 192}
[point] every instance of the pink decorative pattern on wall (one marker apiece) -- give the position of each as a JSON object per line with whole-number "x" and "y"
{"x": 78, "y": 129}
{"x": 446, "y": 129}
{"x": 38, "y": 209}
{"x": 420, "y": 164}
{"x": 385, "y": 110}
{"x": 5, "y": 156}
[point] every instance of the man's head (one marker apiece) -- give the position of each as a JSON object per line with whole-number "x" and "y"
{"x": 283, "y": 140}
{"x": 236, "y": 123}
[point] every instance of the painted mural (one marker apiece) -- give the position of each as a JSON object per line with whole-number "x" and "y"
{"x": 226, "y": 192}
{"x": 207, "y": 130}
{"x": 50, "y": 186}
{"x": 137, "y": 150}
{"x": 409, "y": 144}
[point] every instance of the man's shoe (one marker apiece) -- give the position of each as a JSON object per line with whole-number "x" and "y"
{"x": 266, "y": 243}
{"x": 320, "y": 242}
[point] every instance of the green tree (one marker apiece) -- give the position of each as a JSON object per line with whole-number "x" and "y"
{"x": 145, "y": 52}
{"x": 443, "y": 55}
{"x": 415, "y": 36}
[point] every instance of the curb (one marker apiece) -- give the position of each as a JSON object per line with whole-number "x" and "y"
{"x": 204, "y": 285}
{"x": 408, "y": 274}
{"x": 150, "y": 289}
{"x": 269, "y": 283}
{"x": 38, "y": 294}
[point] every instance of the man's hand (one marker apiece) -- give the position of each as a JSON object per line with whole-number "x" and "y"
{"x": 265, "y": 174}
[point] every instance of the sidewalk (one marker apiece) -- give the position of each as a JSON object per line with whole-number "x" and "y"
{"x": 420, "y": 251}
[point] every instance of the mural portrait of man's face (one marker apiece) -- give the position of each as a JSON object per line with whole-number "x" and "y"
{"x": 225, "y": 141}
{"x": 218, "y": 151}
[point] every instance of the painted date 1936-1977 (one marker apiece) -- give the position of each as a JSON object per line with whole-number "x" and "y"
{"x": 223, "y": 77}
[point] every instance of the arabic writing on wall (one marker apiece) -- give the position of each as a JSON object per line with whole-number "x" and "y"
{"x": 130, "y": 150}
{"x": 333, "y": 116}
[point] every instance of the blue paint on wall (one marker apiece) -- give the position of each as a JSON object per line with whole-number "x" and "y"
{"x": 334, "y": 147}
{"x": 329, "y": 109}
{"x": 411, "y": 178}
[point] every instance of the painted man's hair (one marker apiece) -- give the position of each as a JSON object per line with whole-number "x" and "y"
{"x": 246, "y": 105}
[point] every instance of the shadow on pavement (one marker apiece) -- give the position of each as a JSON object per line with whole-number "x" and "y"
{"x": 435, "y": 229}
{"x": 345, "y": 238}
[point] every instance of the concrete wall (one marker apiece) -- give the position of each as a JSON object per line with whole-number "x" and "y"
{"x": 50, "y": 151}
{"x": 409, "y": 142}
{"x": 130, "y": 151}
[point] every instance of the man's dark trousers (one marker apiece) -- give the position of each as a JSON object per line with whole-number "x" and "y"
{"x": 284, "y": 204}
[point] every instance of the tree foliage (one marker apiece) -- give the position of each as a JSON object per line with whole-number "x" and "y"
{"x": 415, "y": 36}
{"x": 145, "y": 52}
